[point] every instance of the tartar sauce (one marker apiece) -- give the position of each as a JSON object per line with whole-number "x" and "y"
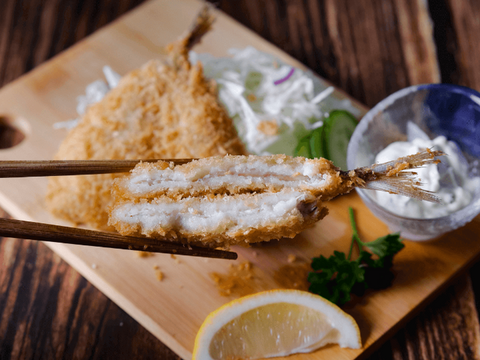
{"x": 449, "y": 180}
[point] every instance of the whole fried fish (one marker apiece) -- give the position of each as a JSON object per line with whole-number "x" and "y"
{"x": 162, "y": 110}
{"x": 223, "y": 201}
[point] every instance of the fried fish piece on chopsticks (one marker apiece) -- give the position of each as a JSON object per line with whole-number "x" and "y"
{"x": 223, "y": 201}
{"x": 165, "y": 109}
{"x": 219, "y": 220}
{"x": 228, "y": 175}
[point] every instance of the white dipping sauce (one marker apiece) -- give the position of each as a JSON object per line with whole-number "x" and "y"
{"x": 449, "y": 180}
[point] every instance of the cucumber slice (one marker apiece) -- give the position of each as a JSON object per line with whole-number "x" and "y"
{"x": 339, "y": 127}
{"x": 303, "y": 148}
{"x": 317, "y": 143}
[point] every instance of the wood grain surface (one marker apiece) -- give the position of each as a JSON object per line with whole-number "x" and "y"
{"x": 369, "y": 48}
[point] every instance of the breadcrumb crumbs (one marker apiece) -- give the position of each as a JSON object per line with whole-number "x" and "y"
{"x": 293, "y": 276}
{"x": 144, "y": 254}
{"x": 393, "y": 171}
{"x": 237, "y": 282}
{"x": 177, "y": 260}
{"x": 159, "y": 274}
{"x": 268, "y": 127}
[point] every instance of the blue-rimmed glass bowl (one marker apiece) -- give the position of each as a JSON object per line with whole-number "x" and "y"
{"x": 437, "y": 109}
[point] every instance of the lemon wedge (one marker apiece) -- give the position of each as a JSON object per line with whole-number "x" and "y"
{"x": 274, "y": 323}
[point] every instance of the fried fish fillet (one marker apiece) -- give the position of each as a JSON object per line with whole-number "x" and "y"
{"x": 162, "y": 110}
{"x": 223, "y": 201}
{"x": 220, "y": 220}
{"x": 229, "y": 175}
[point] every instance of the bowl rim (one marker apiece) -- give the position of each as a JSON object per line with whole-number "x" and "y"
{"x": 367, "y": 118}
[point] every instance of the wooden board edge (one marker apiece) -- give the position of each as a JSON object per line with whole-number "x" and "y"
{"x": 64, "y": 251}
{"x": 415, "y": 311}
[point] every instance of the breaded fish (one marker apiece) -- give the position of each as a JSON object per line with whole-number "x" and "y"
{"x": 229, "y": 175}
{"x": 223, "y": 201}
{"x": 220, "y": 220}
{"x": 162, "y": 110}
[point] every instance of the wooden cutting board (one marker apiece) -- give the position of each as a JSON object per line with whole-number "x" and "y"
{"x": 174, "y": 308}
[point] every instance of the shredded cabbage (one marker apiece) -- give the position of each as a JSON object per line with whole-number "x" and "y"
{"x": 94, "y": 92}
{"x": 272, "y": 104}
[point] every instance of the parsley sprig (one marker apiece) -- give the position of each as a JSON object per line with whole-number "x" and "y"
{"x": 338, "y": 276}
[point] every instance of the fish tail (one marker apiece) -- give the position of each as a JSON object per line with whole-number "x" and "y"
{"x": 179, "y": 49}
{"x": 397, "y": 177}
{"x": 201, "y": 25}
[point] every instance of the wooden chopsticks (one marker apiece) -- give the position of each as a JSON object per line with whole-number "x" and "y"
{"x": 68, "y": 235}
{"x": 32, "y": 168}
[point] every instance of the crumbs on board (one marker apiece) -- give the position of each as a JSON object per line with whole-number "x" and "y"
{"x": 159, "y": 274}
{"x": 174, "y": 257}
{"x": 144, "y": 254}
{"x": 239, "y": 281}
{"x": 293, "y": 275}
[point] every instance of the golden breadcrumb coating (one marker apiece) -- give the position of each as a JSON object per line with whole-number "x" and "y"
{"x": 230, "y": 200}
{"x": 219, "y": 221}
{"x": 158, "y": 111}
{"x": 224, "y": 201}
{"x": 231, "y": 174}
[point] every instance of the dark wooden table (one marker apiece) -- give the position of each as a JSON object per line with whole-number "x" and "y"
{"x": 369, "y": 48}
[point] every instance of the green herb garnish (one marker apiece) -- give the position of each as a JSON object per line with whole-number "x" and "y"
{"x": 338, "y": 276}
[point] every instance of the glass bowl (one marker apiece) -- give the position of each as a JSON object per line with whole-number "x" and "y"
{"x": 437, "y": 109}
